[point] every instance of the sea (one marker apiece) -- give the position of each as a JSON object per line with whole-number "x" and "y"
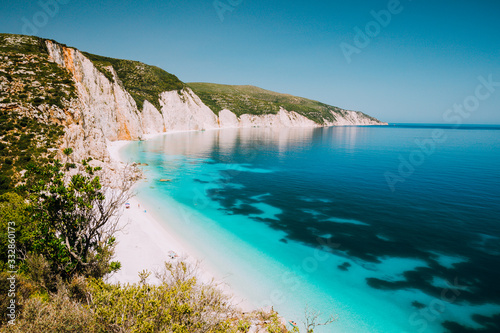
{"x": 382, "y": 228}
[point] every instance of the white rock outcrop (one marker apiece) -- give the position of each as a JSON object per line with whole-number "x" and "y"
{"x": 184, "y": 110}
{"x": 350, "y": 118}
{"x": 103, "y": 110}
{"x": 283, "y": 118}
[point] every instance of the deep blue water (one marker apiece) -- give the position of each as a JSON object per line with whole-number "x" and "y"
{"x": 393, "y": 228}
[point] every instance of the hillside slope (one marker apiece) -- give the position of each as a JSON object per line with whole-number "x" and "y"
{"x": 257, "y": 101}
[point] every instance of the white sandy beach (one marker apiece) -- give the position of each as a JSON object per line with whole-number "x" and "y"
{"x": 142, "y": 244}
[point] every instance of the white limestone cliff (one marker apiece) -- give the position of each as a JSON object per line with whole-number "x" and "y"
{"x": 350, "y": 118}
{"x": 104, "y": 111}
{"x": 283, "y": 118}
{"x": 184, "y": 110}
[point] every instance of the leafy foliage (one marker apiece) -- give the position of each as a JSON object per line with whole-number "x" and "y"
{"x": 74, "y": 220}
{"x": 143, "y": 82}
{"x": 61, "y": 314}
{"x": 179, "y": 304}
{"x": 14, "y": 208}
{"x": 24, "y": 289}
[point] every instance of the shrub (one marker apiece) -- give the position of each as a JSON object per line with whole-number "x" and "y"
{"x": 60, "y": 314}
{"x": 39, "y": 272}
{"x": 178, "y": 304}
{"x": 5, "y": 183}
{"x": 24, "y": 289}
{"x": 38, "y": 101}
{"x": 14, "y": 209}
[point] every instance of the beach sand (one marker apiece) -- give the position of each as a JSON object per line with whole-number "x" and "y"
{"x": 142, "y": 244}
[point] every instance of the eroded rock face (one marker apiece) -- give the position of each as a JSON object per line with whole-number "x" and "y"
{"x": 104, "y": 111}
{"x": 283, "y": 118}
{"x": 349, "y": 118}
{"x": 184, "y": 110}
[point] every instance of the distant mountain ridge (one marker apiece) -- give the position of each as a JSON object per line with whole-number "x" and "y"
{"x": 99, "y": 99}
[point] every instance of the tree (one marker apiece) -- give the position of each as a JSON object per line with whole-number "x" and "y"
{"x": 13, "y": 214}
{"x": 312, "y": 318}
{"x": 75, "y": 216}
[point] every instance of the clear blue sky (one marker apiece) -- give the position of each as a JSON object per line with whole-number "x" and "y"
{"x": 426, "y": 59}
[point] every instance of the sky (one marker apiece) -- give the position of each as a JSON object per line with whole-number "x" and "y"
{"x": 407, "y": 61}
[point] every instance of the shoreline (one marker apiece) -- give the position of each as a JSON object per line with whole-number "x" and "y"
{"x": 275, "y": 285}
{"x": 144, "y": 241}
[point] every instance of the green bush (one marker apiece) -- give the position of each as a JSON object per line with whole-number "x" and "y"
{"x": 71, "y": 217}
{"x": 5, "y": 183}
{"x": 22, "y": 44}
{"x": 19, "y": 145}
{"x": 13, "y": 209}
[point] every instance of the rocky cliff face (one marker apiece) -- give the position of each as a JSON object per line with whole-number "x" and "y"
{"x": 104, "y": 111}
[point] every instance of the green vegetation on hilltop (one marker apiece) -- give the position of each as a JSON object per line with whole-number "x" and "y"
{"x": 27, "y": 59}
{"x": 143, "y": 82}
{"x": 35, "y": 80}
{"x": 22, "y": 44}
{"x": 254, "y": 100}
{"x": 29, "y": 85}
{"x": 23, "y": 140}
{"x": 27, "y": 77}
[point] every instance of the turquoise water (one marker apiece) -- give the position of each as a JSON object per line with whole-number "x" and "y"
{"x": 391, "y": 229}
